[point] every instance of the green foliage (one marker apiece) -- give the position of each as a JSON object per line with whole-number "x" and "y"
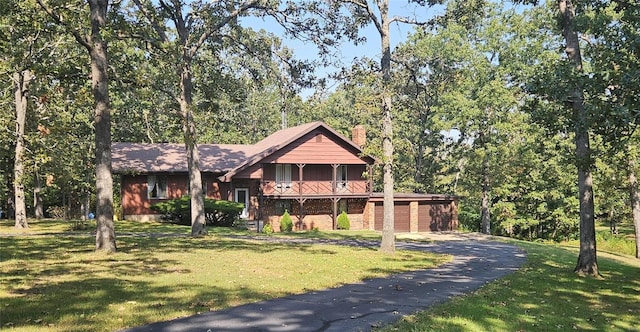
{"x": 343, "y": 221}
{"x": 217, "y": 212}
{"x": 468, "y": 218}
{"x": 267, "y": 229}
{"x": 286, "y": 224}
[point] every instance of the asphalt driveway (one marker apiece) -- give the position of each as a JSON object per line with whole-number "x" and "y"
{"x": 372, "y": 303}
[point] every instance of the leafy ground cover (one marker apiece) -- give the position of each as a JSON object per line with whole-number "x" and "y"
{"x": 545, "y": 295}
{"x": 54, "y": 281}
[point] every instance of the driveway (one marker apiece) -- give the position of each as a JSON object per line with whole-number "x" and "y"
{"x": 371, "y": 303}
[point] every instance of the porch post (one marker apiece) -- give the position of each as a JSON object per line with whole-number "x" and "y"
{"x": 300, "y": 174}
{"x": 300, "y": 194}
{"x": 334, "y": 182}
{"x": 370, "y": 184}
{"x": 335, "y": 211}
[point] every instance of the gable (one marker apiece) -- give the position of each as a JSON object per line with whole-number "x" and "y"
{"x": 317, "y": 147}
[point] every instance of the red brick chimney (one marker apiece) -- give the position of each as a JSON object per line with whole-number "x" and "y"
{"x": 359, "y": 135}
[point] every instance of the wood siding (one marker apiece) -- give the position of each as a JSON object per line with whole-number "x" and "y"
{"x": 135, "y": 200}
{"x": 315, "y": 148}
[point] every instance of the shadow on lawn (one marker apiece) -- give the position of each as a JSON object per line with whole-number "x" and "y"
{"x": 60, "y": 283}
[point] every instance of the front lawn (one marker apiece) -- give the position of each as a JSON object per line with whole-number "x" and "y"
{"x": 56, "y": 282}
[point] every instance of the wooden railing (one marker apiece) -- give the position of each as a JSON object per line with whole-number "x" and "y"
{"x": 296, "y": 188}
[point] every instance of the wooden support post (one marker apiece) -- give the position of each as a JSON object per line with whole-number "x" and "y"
{"x": 370, "y": 184}
{"x": 335, "y": 211}
{"x": 334, "y": 182}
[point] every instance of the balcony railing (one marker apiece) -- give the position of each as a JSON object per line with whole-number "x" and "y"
{"x": 310, "y": 188}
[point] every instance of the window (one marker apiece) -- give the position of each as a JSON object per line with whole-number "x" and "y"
{"x": 283, "y": 175}
{"x": 341, "y": 177}
{"x": 156, "y": 186}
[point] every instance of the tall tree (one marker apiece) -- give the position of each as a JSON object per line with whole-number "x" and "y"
{"x": 96, "y": 46}
{"x": 587, "y": 260}
{"x": 26, "y": 49}
{"x": 377, "y": 13}
{"x": 21, "y": 81}
{"x": 205, "y": 23}
{"x": 615, "y": 58}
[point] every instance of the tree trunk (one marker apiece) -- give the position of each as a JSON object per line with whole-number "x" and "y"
{"x": 634, "y": 196}
{"x": 198, "y": 221}
{"x": 105, "y": 233}
{"x": 587, "y": 260}
{"x": 21, "y": 85}
{"x": 387, "y": 244}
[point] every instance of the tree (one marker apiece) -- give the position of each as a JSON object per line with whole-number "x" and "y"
{"x": 96, "y": 46}
{"x": 203, "y": 27}
{"x": 27, "y": 50}
{"x": 21, "y": 82}
{"x": 19, "y": 57}
{"x": 569, "y": 95}
{"x": 377, "y": 13}
{"x": 587, "y": 260}
{"x": 615, "y": 59}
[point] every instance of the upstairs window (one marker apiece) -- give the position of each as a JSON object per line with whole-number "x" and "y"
{"x": 341, "y": 177}
{"x": 156, "y": 186}
{"x": 283, "y": 175}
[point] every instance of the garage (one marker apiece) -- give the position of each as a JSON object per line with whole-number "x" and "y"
{"x": 401, "y": 216}
{"x": 435, "y": 216}
{"x": 417, "y": 212}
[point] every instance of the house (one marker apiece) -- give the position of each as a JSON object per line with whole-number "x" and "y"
{"x": 310, "y": 170}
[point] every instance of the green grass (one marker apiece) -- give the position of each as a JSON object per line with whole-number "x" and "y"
{"x": 622, "y": 243}
{"x": 59, "y": 283}
{"x": 56, "y": 282}
{"x": 545, "y": 295}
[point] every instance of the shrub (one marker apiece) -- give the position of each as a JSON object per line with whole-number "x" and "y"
{"x": 56, "y": 212}
{"x": 217, "y": 213}
{"x": 267, "y": 229}
{"x": 343, "y": 221}
{"x": 286, "y": 224}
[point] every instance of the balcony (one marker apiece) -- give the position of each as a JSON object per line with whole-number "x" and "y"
{"x": 315, "y": 188}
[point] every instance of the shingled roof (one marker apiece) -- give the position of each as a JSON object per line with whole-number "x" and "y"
{"x": 172, "y": 157}
{"x": 225, "y": 159}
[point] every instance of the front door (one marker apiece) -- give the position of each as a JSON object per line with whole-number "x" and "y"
{"x": 242, "y": 196}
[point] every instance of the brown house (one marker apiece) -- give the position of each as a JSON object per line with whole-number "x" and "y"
{"x": 310, "y": 170}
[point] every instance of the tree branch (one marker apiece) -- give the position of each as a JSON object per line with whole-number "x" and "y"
{"x": 155, "y": 24}
{"x": 59, "y": 20}
{"x": 372, "y": 16}
{"x": 211, "y": 30}
{"x": 406, "y": 20}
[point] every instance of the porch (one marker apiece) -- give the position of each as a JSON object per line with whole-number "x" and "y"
{"x": 316, "y": 188}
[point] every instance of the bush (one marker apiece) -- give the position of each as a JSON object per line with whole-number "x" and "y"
{"x": 343, "y": 221}
{"x": 56, "y": 212}
{"x": 267, "y": 229}
{"x": 286, "y": 224}
{"x": 217, "y": 213}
